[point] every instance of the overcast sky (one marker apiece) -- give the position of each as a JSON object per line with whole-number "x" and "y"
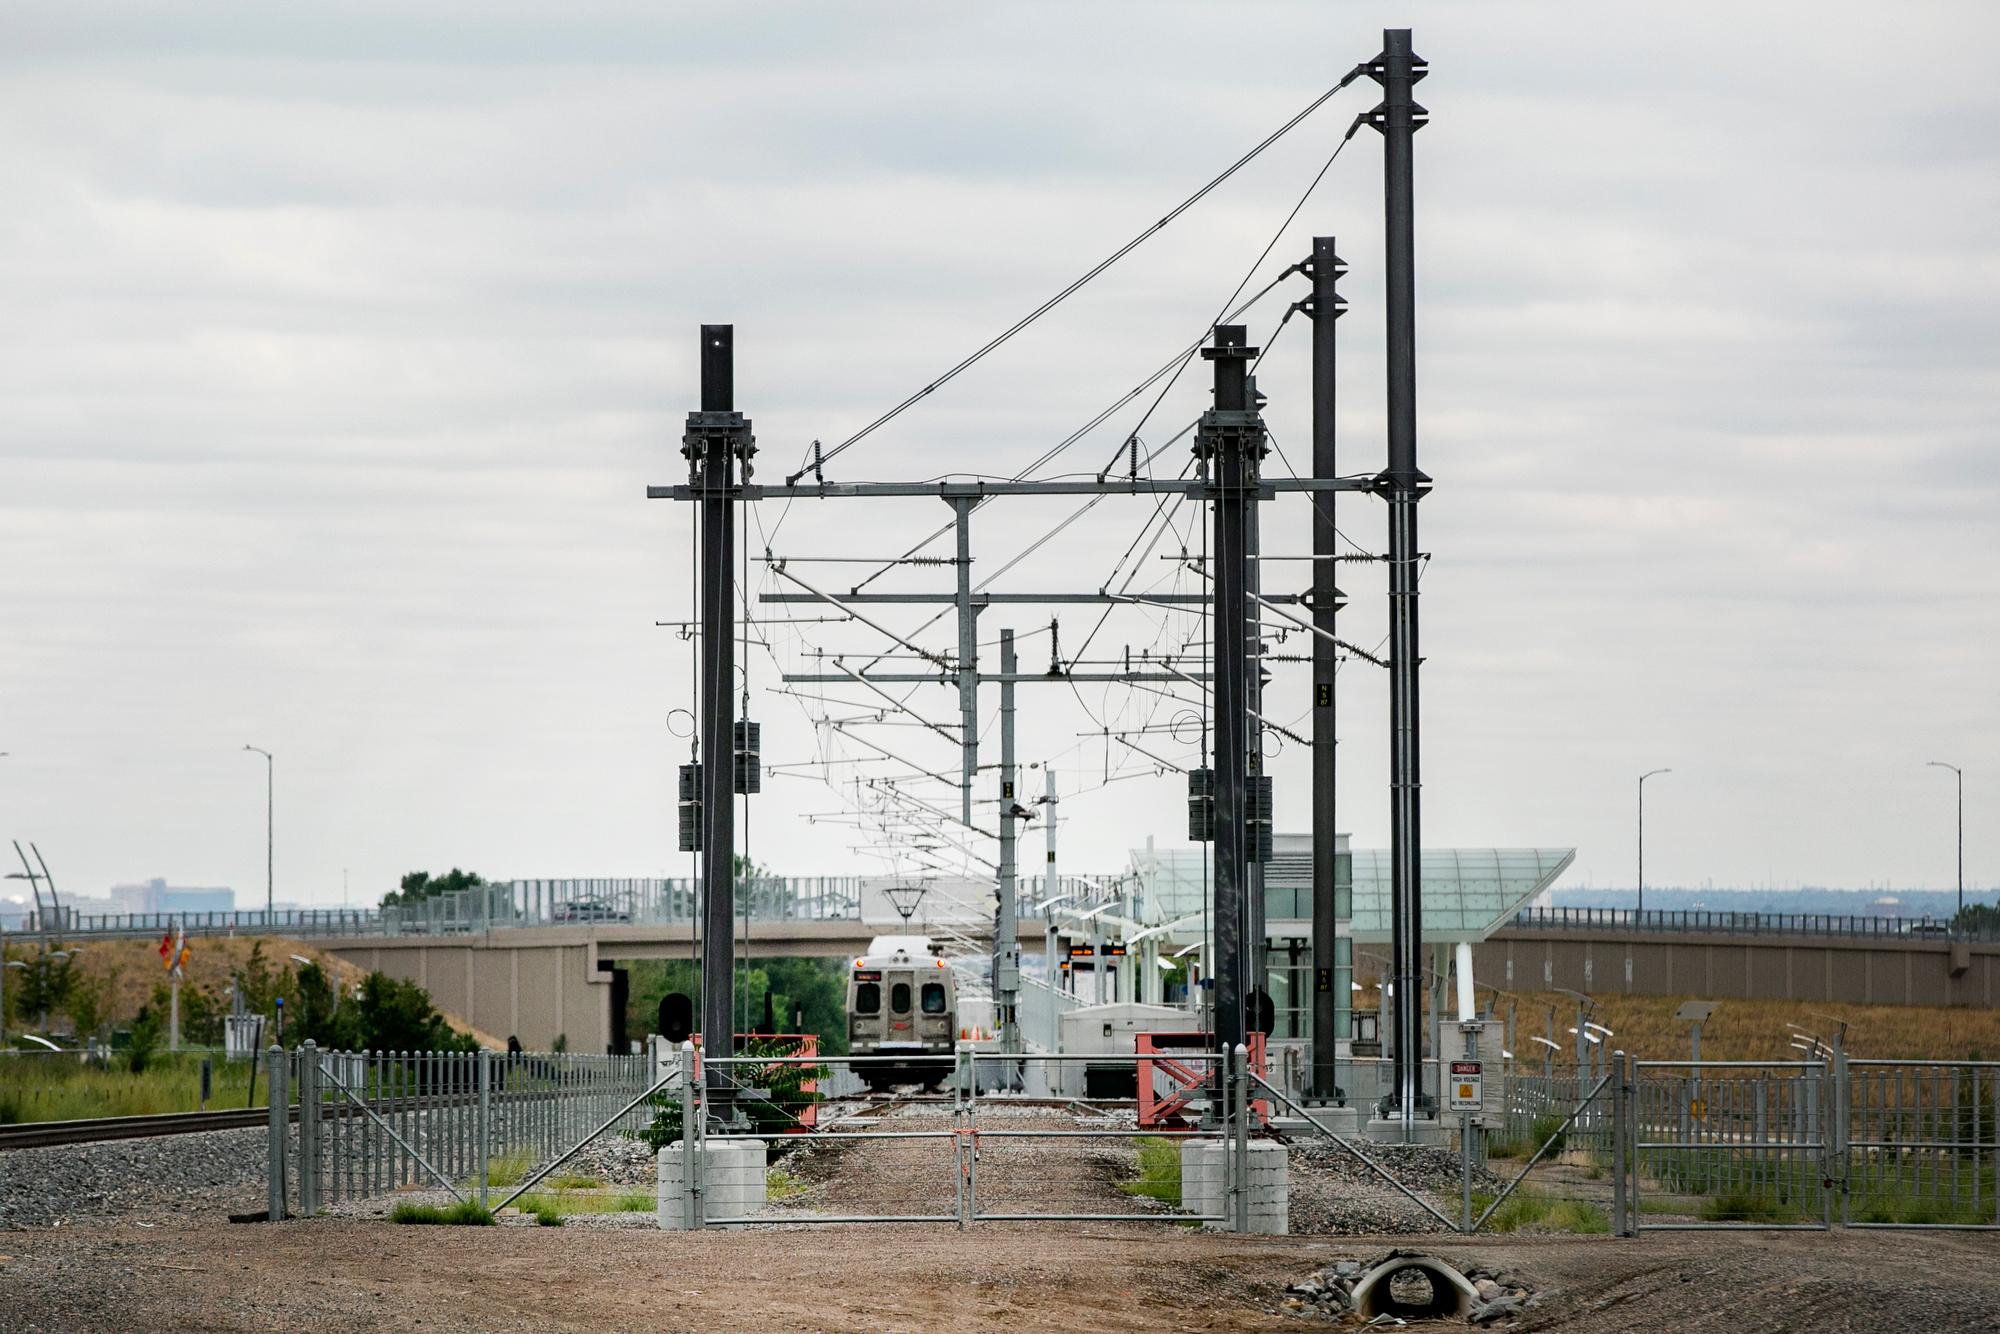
{"x": 341, "y": 342}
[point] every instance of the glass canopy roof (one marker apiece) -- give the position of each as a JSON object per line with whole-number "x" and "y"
{"x": 1468, "y": 893}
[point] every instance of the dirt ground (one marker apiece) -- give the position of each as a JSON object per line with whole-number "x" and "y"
{"x": 336, "y": 1275}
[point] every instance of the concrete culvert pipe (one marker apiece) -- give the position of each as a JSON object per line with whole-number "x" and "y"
{"x": 1413, "y": 1287}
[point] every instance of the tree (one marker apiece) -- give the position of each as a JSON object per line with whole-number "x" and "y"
{"x": 420, "y": 885}
{"x": 393, "y": 1015}
{"x": 88, "y": 1002}
{"x": 817, "y": 986}
{"x": 258, "y": 982}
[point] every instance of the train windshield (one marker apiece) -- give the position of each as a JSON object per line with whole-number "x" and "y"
{"x": 899, "y": 998}
{"x": 868, "y": 998}
{"x": 933, "y": 998}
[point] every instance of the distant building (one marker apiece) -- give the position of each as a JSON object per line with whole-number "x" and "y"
{"x": 157, "y": 896}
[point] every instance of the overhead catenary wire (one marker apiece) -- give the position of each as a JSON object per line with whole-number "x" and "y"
{"x": 820, "y": 457}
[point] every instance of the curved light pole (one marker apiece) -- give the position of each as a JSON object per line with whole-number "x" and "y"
{"x": 269, "y": 766}
{"x": 1642, "y": 840}
{"x": 1960, "y": 774}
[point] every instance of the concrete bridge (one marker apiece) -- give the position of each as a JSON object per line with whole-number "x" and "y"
{"x": 1718, "y": 962}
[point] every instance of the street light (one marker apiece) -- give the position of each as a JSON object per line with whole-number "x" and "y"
{"x": 269, "y": 766}
{"x": 1642, "y": 836}
{"x": 1960, "y": 773}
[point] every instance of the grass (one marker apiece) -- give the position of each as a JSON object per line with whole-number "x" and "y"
{"x": 1159, "y": 1172}
{"x": 63, "y": 1088}
{"x": 1749, "y": 1206}
{"x": 782, "y": 1185}
{"x": 569, "y": 1181}
{"x": 1517, "y": 1144}
{"x": 509, "y": 1168}
{"x": 466, "y": 1213}
{"x": 1754, "y": 1030}
{"x": 546, "y": 1205}
{"x": 1529, "y": 1211}
{"x": 1889, "y": 1207}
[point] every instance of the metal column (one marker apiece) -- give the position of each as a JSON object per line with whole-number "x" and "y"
{"x": 1230, "y": 443}
{"x": 1006, "y": 939}
{"x": 1402, "y": 484}
{"x": 1325, "y": 307}
{"x": 968, "y": 658}
{"x": 717, "y": 442}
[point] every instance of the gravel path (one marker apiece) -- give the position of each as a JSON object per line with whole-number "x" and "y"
{"x": 921, "y": 1176}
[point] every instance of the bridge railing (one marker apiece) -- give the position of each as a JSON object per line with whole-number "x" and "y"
{"x": 500, "y": 905}
{"x": 1702, "y": 921}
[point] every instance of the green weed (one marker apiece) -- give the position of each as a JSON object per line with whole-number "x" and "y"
{"x": 465, "y": 1213}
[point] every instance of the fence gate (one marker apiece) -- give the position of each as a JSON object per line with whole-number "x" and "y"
{"x": 1734, "y": 1144}
{"x": 973, "y": 1149}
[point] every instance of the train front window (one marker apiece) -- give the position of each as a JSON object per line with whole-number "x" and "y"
{"x": 933, "y": 998}
{"x": 899, "y": 998}
{"x": 868, "y": 998}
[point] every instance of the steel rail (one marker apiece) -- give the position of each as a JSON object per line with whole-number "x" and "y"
{"x": 45, "y": 1134}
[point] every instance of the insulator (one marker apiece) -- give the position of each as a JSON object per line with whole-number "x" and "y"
{"x": 690, "y": 808}
{"x": 748, "y": 776}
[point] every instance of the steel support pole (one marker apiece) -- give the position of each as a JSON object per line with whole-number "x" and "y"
{"x": 717, "y": 440}
{"x": 968, "y": 658}
{"x": 1398, "y": 117}
{"x": 1230, "y": 444}
{"x": 1007, "y": 943}
{"x": 1325, "y": 307}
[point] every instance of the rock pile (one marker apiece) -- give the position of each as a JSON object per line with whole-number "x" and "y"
{"x": 1333, "y": 1193}
{"x": 1328, "y": 1293}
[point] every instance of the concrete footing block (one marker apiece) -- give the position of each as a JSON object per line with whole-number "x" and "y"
{"x": 732, "y": 1182}
{"x": 1267, "y": 1180}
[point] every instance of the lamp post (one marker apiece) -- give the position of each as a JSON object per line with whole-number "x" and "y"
{"x": 269, "y": 766}
{"x": 1960, "y": 775}
{"x": 1642, "y": 838}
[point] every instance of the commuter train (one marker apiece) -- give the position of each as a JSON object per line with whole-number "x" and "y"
{"x": 903, "y": 1002}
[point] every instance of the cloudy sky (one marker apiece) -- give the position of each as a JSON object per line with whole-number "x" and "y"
{"x": 341, "y": 342}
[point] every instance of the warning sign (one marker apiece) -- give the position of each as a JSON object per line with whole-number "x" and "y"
{"x": 1464, "y": 1086}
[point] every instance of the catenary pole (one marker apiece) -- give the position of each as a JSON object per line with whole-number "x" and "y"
{"x": 717, "y": 443}
{"x": 1398, "y": 117}
{"x": 1007, "y": 946}
{"x": 1230, "y": 444}
{"x": 1324, "y": 306}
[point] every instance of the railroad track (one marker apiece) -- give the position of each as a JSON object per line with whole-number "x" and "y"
{"x": 44, "y": 1134}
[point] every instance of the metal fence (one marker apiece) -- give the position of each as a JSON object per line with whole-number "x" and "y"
{"x": 496, "y": 906}
{"x": 977, "y": 1149}
{"x": 373, "y": 1123}
{"x": 1704, "y": 922}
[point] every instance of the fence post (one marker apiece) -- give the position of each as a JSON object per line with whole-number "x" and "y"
{"x": 1620, "y": 1102}
{"x": 279, "y": 1123}
{"x": 690, "y": 1150}
{"x": 309, "y": 1110}
{"x": 1840, "y": 1155}
{"x": 1242, "y": 1119}
{"x": 485, "y": 1146}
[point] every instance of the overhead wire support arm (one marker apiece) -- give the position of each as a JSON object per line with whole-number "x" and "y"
{"x": 878, "y": 628}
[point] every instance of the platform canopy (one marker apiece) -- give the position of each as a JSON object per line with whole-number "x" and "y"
{"x": 1468, "y": 893}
